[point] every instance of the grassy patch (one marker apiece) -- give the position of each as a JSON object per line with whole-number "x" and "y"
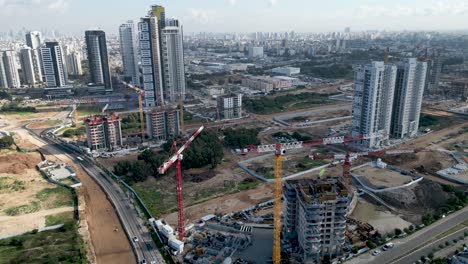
{"x": 248, "y": 185}
{"x": 55, "y": 197}
{"x": 23, "y": 209}
{"x": 306, "y": 164}
{"x": 61, "y": 218}
{"x": 9, "y": 184}
{"x": 25, "y": 114}
{"x": 63, "y": 245}
{"x": 153, "y": 199}
{"x": 272, "y": 104}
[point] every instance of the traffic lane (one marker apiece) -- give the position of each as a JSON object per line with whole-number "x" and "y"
{"x": 426, "y": 250}
{"x": 426, "y": 234}
{"x": 138, "y": 229}
{"x": 117, "y": 195}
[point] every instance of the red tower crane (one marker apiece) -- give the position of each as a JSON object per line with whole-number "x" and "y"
{"x": 176, "y": 159}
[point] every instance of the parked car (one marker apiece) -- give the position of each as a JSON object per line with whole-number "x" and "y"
{"x": 376, "y": 252}
{"x": 135, "y": 239}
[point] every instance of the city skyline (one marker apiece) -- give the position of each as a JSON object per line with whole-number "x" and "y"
{"x": 266, "y": 15}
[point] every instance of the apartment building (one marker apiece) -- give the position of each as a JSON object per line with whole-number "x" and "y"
{"x": 104, "y": 133}
{"x": 162, "y": 124}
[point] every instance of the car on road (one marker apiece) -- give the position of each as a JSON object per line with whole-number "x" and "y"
{"x": 153, "y": 262}
{"x": 376, "y": 252}
{"x": 388, "y": 246}
{"x": 143, "y": 261}
{"x": 135, "y": 239}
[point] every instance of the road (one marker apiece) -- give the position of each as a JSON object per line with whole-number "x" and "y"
{"x": 410, "y": 244}
{"x": 145, "y": 249}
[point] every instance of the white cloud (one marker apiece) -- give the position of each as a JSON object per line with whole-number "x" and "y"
{"x": 439, "y": 8}
{"x": 231, "y": 2}
{"x": 27, "y": 7}
{"x": 200, "y": 16}
{"x": 59, "y": 5}
{"x": 273, "y": 2}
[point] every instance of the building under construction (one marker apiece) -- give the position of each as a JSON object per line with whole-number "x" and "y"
{"x": 162, "y": 124}
{"x": 315, "y": 216}
{"x": 104, "y": 132}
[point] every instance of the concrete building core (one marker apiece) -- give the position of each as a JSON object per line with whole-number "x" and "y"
{"x": 315, "y": 216}
{"x": 162, "y": 125}
{"x": 104, "y": 132}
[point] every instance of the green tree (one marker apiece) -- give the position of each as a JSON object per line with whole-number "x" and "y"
{"x": 239, "y": 138}
{"x": 6, "y": 142}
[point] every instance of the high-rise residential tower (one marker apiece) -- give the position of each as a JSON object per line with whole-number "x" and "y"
{"x": 128, "y": 45}
{"x": 53, "y": 60}
{"x": 373, "y": 101}
{"x": 34, "y": 41}
{"x": 173, "y": 61}
{"x": 434, "y": 68}
{"x": 3, "y": 81}
{"x": 74, "y": 63}
{"x": 11, "y": 77}
{"x": 98, "y": 58}
{"x": 27, "y": 65}
{"x": 149, "y": 39}
{"x": 315, "y": 216}
{"x": 409, "y": 89}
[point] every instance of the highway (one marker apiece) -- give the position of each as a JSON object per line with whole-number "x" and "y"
{"x": 144, "y": 248}
{"x": 405, "y": 249}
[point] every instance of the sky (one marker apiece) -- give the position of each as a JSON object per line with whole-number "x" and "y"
{"x": 239, "y": 15}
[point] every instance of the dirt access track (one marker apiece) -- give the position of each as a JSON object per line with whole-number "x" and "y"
{"x": 225, "y": 204}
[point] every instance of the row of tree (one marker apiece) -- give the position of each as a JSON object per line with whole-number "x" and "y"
{"x": 205, "y": 150}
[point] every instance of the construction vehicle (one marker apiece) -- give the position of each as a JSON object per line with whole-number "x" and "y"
{"x": 140, "y": 93}
{"x": 176, "y": 159}
{"x": 280, "y": 150}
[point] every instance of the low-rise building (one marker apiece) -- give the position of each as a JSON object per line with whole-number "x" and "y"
{"x": 288, "y": 71}
{"x": 104, "y": 133}
{"x": 266, "y": 83}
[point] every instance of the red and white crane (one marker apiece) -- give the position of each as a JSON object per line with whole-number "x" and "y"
{"x": 176, "y": 159}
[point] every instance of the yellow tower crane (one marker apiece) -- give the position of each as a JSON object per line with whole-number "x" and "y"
{"x": 139, "y": 92}
{"x": 277, "y": 206}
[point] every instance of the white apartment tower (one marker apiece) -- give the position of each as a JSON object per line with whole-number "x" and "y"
{"x": 409, "y": 89}
{"x": 53, "y": 60}
{"x": 74, "y": 63}
{"x": 149, "y": 39}
{"x": 34, "y": 41}
{"x": 373, "y": 101}
{"x": 128, "y": 44}
{"x": 11, "y": 77}
{"x": 27, "y": 65}
{"x": 173, "y": 61}
{"x": 3, "y": 81}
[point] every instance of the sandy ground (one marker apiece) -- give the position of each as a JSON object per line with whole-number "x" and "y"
{"x": 20, "y": 167}
{"x": 380, "y": 218}
{"x": 99, "y": 226}
{"x": 381, "y": 178}
{"x": 226, "y": 204}
{"x": 24, "y": 223}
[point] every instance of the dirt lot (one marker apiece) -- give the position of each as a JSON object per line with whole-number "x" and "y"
{"x": 415, "y": 201}
{"x": 318, "y": 116}
{"x": 20, "y": 185}
{"x": 380, "y": 178}
{"x": 100, "y": 218}
{"x": 226, "y": 204}
{"x": 378, "y": 216}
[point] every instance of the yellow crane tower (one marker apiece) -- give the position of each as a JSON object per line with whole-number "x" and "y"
{"x": 277, "y": 206}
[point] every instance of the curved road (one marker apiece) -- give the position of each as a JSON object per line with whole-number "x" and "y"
{"x": 407, "y": 246}
{"x": 145, "y": 248}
